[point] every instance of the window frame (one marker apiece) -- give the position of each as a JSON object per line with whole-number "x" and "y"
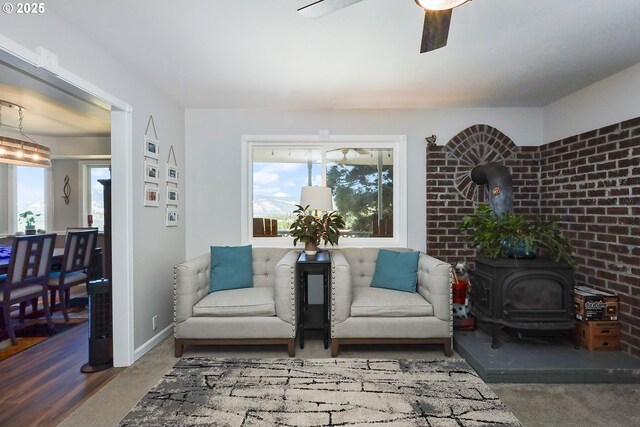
{"x": 326, "y": 142}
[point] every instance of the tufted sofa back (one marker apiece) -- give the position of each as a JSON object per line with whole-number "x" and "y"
{"x": 362, "y": 262}
{"x": 264, "y": 265}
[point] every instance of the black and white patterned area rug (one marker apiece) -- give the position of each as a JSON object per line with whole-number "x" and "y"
{"x": 202, "y": 391}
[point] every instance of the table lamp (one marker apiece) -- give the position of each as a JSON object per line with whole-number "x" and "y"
{"x": 317, "y": 198}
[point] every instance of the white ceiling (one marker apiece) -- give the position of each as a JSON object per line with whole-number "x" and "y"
{"x": 262, "y": 54}
{"x": 48, "y": 110}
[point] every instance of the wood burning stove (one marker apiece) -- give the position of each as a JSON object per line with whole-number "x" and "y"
{"x": 522, "y": 294}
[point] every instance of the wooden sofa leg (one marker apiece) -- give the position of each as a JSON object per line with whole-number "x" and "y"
{"x": 179, "y": 348}
{"x": 447, "y": 348}
{"x": 291, "y": 347}
{"x": 335, "y": 345}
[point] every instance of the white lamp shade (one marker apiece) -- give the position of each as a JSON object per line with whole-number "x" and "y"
{"x": 317, "y": 198}
{"x": 440, "y": 4}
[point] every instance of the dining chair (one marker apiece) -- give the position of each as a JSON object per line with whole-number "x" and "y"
{"x": 79, "y": 248}
{"x": 26, "y": 278}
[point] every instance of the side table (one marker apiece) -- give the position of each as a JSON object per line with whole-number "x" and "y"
{"x": 316, "y": 264}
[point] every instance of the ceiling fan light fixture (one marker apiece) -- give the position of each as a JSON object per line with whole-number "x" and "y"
{"x": 440, "y": 4}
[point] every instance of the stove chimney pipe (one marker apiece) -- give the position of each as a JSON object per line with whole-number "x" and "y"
{"x": 500, "y": 185}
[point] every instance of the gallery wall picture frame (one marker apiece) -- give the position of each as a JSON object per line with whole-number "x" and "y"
{"x": 172, "y": 196}
{"x": 172, "y": 174}
{"x": 151, "y": 195}
{"x": 151, "y": 148}
{"x": 151, "y": 172}
{"x": 172, "y": 217}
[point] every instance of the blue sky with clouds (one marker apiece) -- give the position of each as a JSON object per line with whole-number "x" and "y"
{"x": 282, "y": 180}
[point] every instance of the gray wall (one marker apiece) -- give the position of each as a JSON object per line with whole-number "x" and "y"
{"x": 64, "y": 215}
{"x": 214, "y": 155}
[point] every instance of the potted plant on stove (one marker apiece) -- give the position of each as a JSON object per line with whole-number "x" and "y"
{"x": 311, "y": 229}
{"x": 511, "y": 235}
{"x": 29, "y": 219}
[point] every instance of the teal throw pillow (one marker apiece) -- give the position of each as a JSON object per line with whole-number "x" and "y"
{"x": 231, "y": 268}
{"x": 396, "y": 270}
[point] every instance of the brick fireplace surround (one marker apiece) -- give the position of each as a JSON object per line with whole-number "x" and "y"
{"x": 589, "y": 183}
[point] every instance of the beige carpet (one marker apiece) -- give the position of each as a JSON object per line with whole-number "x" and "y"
{"x": 535, "y": 405}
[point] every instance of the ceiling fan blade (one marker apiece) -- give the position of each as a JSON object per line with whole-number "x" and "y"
{"x": 436, "y": 29}
{"x": 324, "y": 7}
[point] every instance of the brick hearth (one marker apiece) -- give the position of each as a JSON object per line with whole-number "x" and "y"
{"x": 589, "y": 183}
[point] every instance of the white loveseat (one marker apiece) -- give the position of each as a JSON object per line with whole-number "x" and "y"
{"x": 263, "y": 314}
{"x": 361, "y": 314}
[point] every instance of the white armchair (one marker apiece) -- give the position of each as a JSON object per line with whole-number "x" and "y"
{"x": 263, "y": 314}
{"x": 361, "y": 314}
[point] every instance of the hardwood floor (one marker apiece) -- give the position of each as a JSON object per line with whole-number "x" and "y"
{"x": 42, "y": 385}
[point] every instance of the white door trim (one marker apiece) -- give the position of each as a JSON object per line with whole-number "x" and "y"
{"x": 38, "y": 63}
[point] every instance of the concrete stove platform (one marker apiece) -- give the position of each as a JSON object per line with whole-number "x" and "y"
{"x": 543, "y": 360}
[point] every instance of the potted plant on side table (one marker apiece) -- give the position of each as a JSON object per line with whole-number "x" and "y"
{"x": 311, "y": 229}
{"x": 29, "y": 219}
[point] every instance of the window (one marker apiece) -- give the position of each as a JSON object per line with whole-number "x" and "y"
{"x": 96, "y": 194}
{"x": 363, "y": 173}
{"x": 23, "y": 188}
{"x": 30, "y": 195}
{"x": 92, "y": 194}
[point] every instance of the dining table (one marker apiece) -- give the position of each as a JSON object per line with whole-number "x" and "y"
{"x": 56, "y": 261}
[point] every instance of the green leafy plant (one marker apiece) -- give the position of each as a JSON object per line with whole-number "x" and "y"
{"x": 511, "y": 233}
{"x": 308, "y": 228}
{"x": 28, "y": 217}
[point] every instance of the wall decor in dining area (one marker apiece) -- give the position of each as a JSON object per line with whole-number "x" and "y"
{"x": 66, "y": 190}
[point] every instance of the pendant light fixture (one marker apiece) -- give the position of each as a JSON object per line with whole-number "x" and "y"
{"x": 440, "y": 4}
{"x": 23, "y": 151}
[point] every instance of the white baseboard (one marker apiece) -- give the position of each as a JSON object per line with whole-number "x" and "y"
{"x": 155, "y": 340}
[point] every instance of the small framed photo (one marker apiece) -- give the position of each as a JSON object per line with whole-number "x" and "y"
{"x": 151, "y": 195}
{"x": 172, "y": 196}
{"x": 172, "y": 174}
{"x": 151, "y": 148}
{"x": 151, "y": 172}
{"x": 172, "y": 217}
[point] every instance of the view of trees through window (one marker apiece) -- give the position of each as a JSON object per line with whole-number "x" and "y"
{"x": 30, "y": 194}
{"x": 361, "y": 180}
{"x": 363, "y": 192}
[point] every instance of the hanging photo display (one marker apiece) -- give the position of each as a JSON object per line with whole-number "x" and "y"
{"x": 173, "y": 176}
{"x": 151, "y": 167}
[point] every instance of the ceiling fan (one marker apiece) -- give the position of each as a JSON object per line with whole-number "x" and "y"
{"x": 437, "y": 18}
{"x": 345, "y": 151}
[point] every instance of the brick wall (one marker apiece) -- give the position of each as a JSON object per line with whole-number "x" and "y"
{"x": 451, "y": 194}
{"x": 589, "y": 183}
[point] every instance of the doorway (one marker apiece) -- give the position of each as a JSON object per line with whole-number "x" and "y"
{"x": 26, "y": 62}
